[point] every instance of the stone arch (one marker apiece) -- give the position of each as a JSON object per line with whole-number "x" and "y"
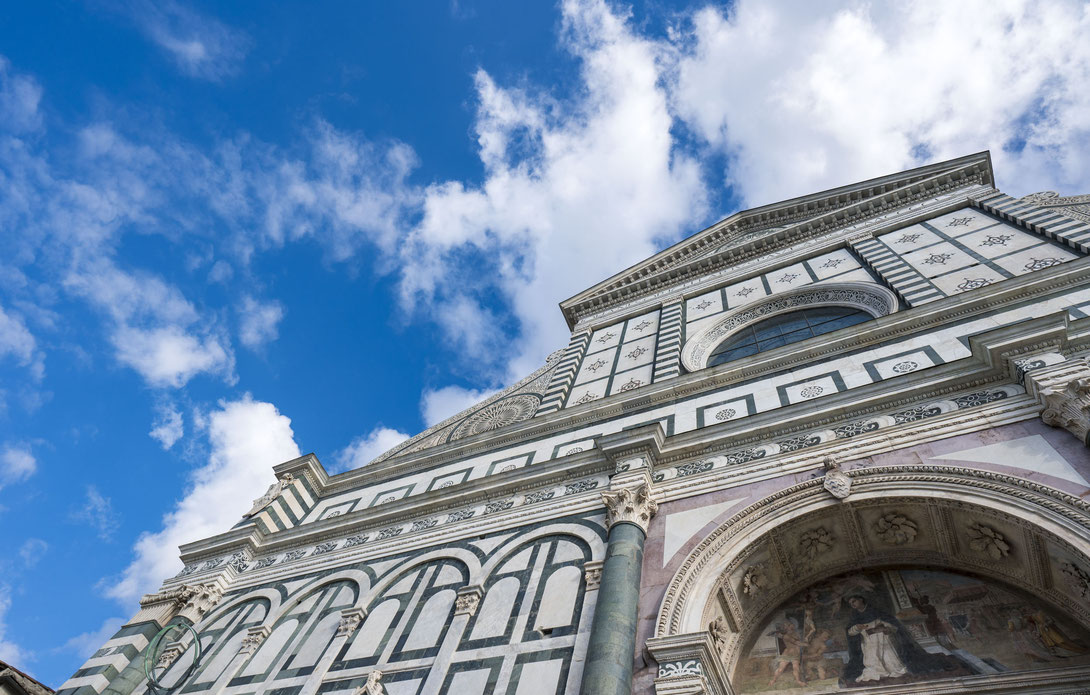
{"x": 361, "y": 579}
{"x": 464, "y": 557}
{"x": 872, "y": 298}
{"x": 896, "y": 516}
{"x": 270, "y": 595}
{"x": 578, "y": 532}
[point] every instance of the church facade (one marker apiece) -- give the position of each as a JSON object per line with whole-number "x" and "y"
{"x": 834, "y": 444}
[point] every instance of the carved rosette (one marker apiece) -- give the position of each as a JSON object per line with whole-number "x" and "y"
{"x": 1078, "y": 578}
{"x": 1069, "y": 407}
{"x": 253, "y": 639}
{"x": 895, "y": 529}
{"x": 754, "y": 580}
{"x": 986, "y": 540}
{"x": 592, "y": 575}
{"x": 631, "y": 504}
{"x": 467, "y": 601}
{"x": 350, "y": 620}
{"x": 815, "y": 542}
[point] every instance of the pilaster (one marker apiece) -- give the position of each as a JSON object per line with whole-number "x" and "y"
{"x": 564, "y": 376}
{"x": 668, "y": 346}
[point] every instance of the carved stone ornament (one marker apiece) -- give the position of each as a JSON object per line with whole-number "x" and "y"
{"x": 272, "y": 493}
{"x": 985, "y": 539}
{"x": 592, "y": 575}
{"x": 836, "y": 481}
{"x": 373, "y": 686}
{"x": 677, "y": 669}
{"x": 189, "y": 600}
{"x": 350, "y": 620}
{"x": 1039, "y": 197}
{"x": 815, "y": 542}
{"x": 1078, "y": 578}
{"x": 895, "y": 529}
{"x": 170, "y": 654}
{"x": 253, "y": 639}
{"x": 1069, "y": 407}
{"x": 754, "y": 580}
{"x": 468, "y": 600}
{"x": 720, "y": 632}
{"x": 631, "y": 504}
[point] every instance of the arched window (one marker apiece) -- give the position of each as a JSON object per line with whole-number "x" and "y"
{"x": 785, "y": 329}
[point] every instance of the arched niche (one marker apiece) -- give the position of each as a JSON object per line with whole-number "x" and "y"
{"x": 904, "y": 627}
{"x": 1007, "y": 531}
{"x": 872, "y": 298}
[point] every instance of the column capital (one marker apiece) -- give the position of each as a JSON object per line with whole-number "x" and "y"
{"x": 634, "y": 449}
{"x": 592, "y": 574}
{"x": 253, "y": 639}
{"x": 1064, "y": 391}
{"x": 350, "y": 620}
{"x": 634, "y": 505}
{"x": 467, "y": 600}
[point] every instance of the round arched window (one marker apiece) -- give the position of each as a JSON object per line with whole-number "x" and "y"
{"x": 785, "y": 329}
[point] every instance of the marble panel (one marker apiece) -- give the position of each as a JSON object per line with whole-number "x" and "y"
{"x": 835, "y": 263}
{"x": 962, "y": 222}
{"x": 999, "y": 240}
{"x": 742, "y": 293}
{"x": 539, "y": 677}
{"x": 725, "y": 411}
{"x": 704, "y": 305}
{"x": 631, "y": 379}
{"x": 596, "y": 366}
{"x": 968, "y": 278}
{"x": 1036, "y": 258}
{"x": 495, "y": 611}
{"x": 585, "y": 393}
{"x": 939, "y": 259}
{"x": 637, "y": 353}
{"x": 433, "y": 617}
{"x": 642, "y": 326}
{"x": 789, "y": 278}
{"x": 902, "y": 364}
{"x": 470, "y": 682}
{"x": 606, "y": 337}
{"x": 810, "y": 389}
{"x": 910, "y": 239}
{"x": 557, "y": 607}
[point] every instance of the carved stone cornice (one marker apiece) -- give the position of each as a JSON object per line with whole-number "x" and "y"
{"x": 190, "y": 601}
{"x": 633, "y": 505}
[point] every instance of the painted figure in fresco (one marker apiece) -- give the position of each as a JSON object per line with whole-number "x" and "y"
{"x": 791, "y": 646}
{"x": 879, "y": 647}
{"x": 1052, "y": 637}
{"x": 1027, "y": 641}
{"x": 933, "y": 622}
{"x": 813, "y": 654}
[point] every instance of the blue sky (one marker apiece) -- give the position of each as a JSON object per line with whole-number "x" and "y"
{"x": 233, "y": 233}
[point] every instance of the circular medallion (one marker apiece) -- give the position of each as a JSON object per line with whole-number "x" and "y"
{"x": 503, "y": 412}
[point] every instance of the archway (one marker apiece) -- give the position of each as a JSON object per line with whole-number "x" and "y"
{"x": 1009, "y": 533}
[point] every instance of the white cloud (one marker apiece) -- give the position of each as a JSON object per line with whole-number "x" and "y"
{"x": 87, "y": 643}
{"x": 805, "y": 96}
{"x": 16, "y": 464}
{"x": 438, "y": 404}
{"x": 98, "y": 513}
{"x": 201, "y": 46}
{"x": 19, "y": 99}
{"x": 364, "y": 449}
{"x": 10, "y": 652}
{"x": 32, "y": 550}
{"x": 17, "y": 341}
{"x": 247, "y": 438}
{"x": 259, "y": 322}
{"x": 168, "y": 427}
{"x": 573, "y": 189}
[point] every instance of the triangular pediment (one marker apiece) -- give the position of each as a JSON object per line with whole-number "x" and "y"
{"x": 764, "y": 229}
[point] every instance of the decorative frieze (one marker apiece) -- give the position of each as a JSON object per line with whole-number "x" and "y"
{"x": 631, "y": 504}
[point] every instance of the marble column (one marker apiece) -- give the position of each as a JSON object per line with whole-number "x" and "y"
{"x": 612, "y": 646}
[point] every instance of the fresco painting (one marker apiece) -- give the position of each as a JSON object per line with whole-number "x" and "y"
{"x": 897, "y": 627}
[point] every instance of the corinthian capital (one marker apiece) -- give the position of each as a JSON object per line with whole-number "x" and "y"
{"x": 1068, "y": 406}
{"x": 632, "y": 504}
